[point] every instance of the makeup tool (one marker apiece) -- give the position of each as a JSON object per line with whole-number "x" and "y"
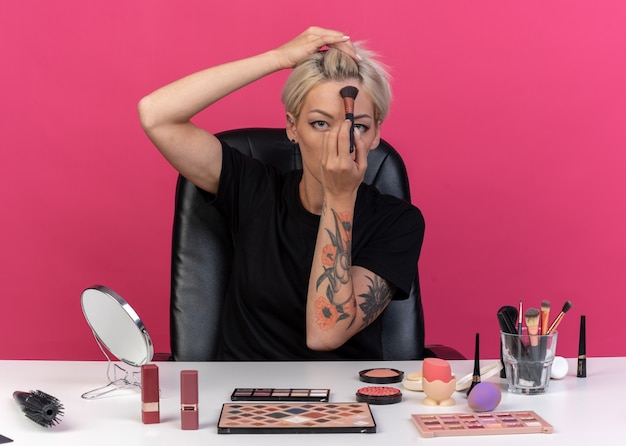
{"x": 119, "y": 331}
{"x": 507, "y": 315}
{"x": 295, "y": 418}
{"x": 43, "y": 409}
{"x": 494, "y": 423}
{"x": 476, "y": 375}
{"x": 545, "y": 316}
{"x": 189, "y": 399}
{"x": 520, "y": 318}
{"x": 566, "y": 307}
{"x": 486, "y": 372}
{"x": 270, "y": 394}
{"x": 381, "y": 376}
{"x": 560, "y": 367}
{"x": 485, "y": 397}
{"x": 413, "y": 381}
{"x": 379, "y": 395}
{"x": 150, "y": 412}
{"x": 581, "y": 370}
{"x": 4, "y": 439}
{"x": 438, "y": 382}
{"x": 532, "y": 323}
{"x": 349, "y": 93}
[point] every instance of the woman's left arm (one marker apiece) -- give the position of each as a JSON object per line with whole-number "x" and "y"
{"x": 342, "y": 299}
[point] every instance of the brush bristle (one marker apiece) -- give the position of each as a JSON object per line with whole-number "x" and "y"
{"x": 532, "y": 317}
{"x": 42, "y": 408}
{"x": 349, "y": 92}
{"x": 545, "y": 305}
{"x": 567, "y": 306}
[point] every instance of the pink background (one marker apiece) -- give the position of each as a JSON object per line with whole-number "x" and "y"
{"x": 510, "y": 116}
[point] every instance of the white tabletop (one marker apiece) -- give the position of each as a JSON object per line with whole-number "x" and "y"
{"x": 581, "y": 410}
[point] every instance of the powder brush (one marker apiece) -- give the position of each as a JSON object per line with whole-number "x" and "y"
{"x": 349, "y": 93}
{"x": 532, "y": 324}
{"x": 43, "y": 409}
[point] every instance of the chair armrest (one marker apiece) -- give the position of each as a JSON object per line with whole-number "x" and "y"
{"x": 161, "y": 357}
{"x": 442, "y": 351}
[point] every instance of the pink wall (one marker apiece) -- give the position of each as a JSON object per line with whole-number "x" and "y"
{"x": 510, "y": 116}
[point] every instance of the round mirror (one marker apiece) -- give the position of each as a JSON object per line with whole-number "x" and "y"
{"x": 116, "y": 325}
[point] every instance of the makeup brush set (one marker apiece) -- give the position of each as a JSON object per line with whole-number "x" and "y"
{"x": 526, "y": 337}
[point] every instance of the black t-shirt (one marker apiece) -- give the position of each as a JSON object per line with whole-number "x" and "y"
{"x": 274, "y": 237}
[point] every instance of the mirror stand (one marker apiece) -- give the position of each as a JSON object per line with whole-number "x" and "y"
{"x": 127, "y": 380}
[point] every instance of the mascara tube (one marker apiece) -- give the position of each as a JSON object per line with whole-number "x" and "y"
{"x": 581, "y": 370}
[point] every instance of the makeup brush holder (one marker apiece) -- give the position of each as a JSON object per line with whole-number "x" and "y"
{"x": 528, "y": 361}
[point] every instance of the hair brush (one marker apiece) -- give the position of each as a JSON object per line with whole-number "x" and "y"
{"x": 43, "y": 409}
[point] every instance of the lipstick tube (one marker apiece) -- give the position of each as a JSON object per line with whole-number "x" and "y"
{"x": 150, "y": 413}
{"x": 189, "y": 399}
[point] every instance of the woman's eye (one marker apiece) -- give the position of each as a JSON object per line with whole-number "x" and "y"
{"x": 321, "y": 125}
{"x": 361, "y": 127}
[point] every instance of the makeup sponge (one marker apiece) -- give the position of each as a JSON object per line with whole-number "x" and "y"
{"x": 484, "y": 397}
{"x": 436, "y": 369}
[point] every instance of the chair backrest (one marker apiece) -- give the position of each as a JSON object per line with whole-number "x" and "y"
{"x": 202, "y": 254}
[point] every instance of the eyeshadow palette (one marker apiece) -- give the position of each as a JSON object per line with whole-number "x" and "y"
{"x": 265, "y": 394}
{"x": 295, "y": 418}
{"x": 484, "y": 423}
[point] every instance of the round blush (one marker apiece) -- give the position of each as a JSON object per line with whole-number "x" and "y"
{"x": 381, "y": 376}
{"x": 379, "y": 395}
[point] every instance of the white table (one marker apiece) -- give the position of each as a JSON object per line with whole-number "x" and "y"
{"x": 590, "y": 410}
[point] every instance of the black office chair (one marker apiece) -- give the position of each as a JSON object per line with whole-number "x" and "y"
{"x": 202, "y": 256}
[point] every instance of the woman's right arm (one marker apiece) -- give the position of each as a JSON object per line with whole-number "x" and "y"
{"x": 166, "y": 113}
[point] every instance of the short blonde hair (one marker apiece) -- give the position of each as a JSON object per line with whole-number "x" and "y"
{"x": 333, "y": 65}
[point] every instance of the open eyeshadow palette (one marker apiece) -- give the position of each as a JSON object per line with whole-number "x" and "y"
{"x": 265, "y": 394}
{"x": 295, "y": 418}
{"x": 482, "y": 423}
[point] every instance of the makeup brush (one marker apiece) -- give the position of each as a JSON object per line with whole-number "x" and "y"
{"x": 476, "y": 375}
{"x": 566, "y": 307}
{"x": 545, "y": 315}
{"x": 519, "y": 321}
{"x": 348, "y": 93}
{"x": 43, "y": 409}
{"x": 532, "y": 324}
{"x": 507, "y": 317}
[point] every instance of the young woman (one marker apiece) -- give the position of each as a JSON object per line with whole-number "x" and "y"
{"x": 318, "y": 254}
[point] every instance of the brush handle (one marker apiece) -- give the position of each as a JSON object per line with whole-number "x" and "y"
{"x": 21, "y": 397}
{"x": 350, "y": 116}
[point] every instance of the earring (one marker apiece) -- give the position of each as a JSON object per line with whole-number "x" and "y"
{"x": 293, "y": 141}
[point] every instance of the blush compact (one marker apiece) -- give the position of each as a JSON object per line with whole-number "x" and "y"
{"x": 381, "y": 376}
{"x": 379, "y": 395}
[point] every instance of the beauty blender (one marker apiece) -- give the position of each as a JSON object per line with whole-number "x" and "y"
{"x": 484, "y": 397}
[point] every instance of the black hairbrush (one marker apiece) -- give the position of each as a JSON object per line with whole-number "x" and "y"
{"x": 348, "y": 93}
{"x": 43, "y": 409}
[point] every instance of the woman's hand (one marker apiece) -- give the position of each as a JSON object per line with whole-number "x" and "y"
{"x": 310, "y": 41}
{"x": 342, "y": 171}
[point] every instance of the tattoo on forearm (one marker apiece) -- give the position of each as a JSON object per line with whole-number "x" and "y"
{"x": 336, "y": 262}
{"x": 374, "y": 301}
